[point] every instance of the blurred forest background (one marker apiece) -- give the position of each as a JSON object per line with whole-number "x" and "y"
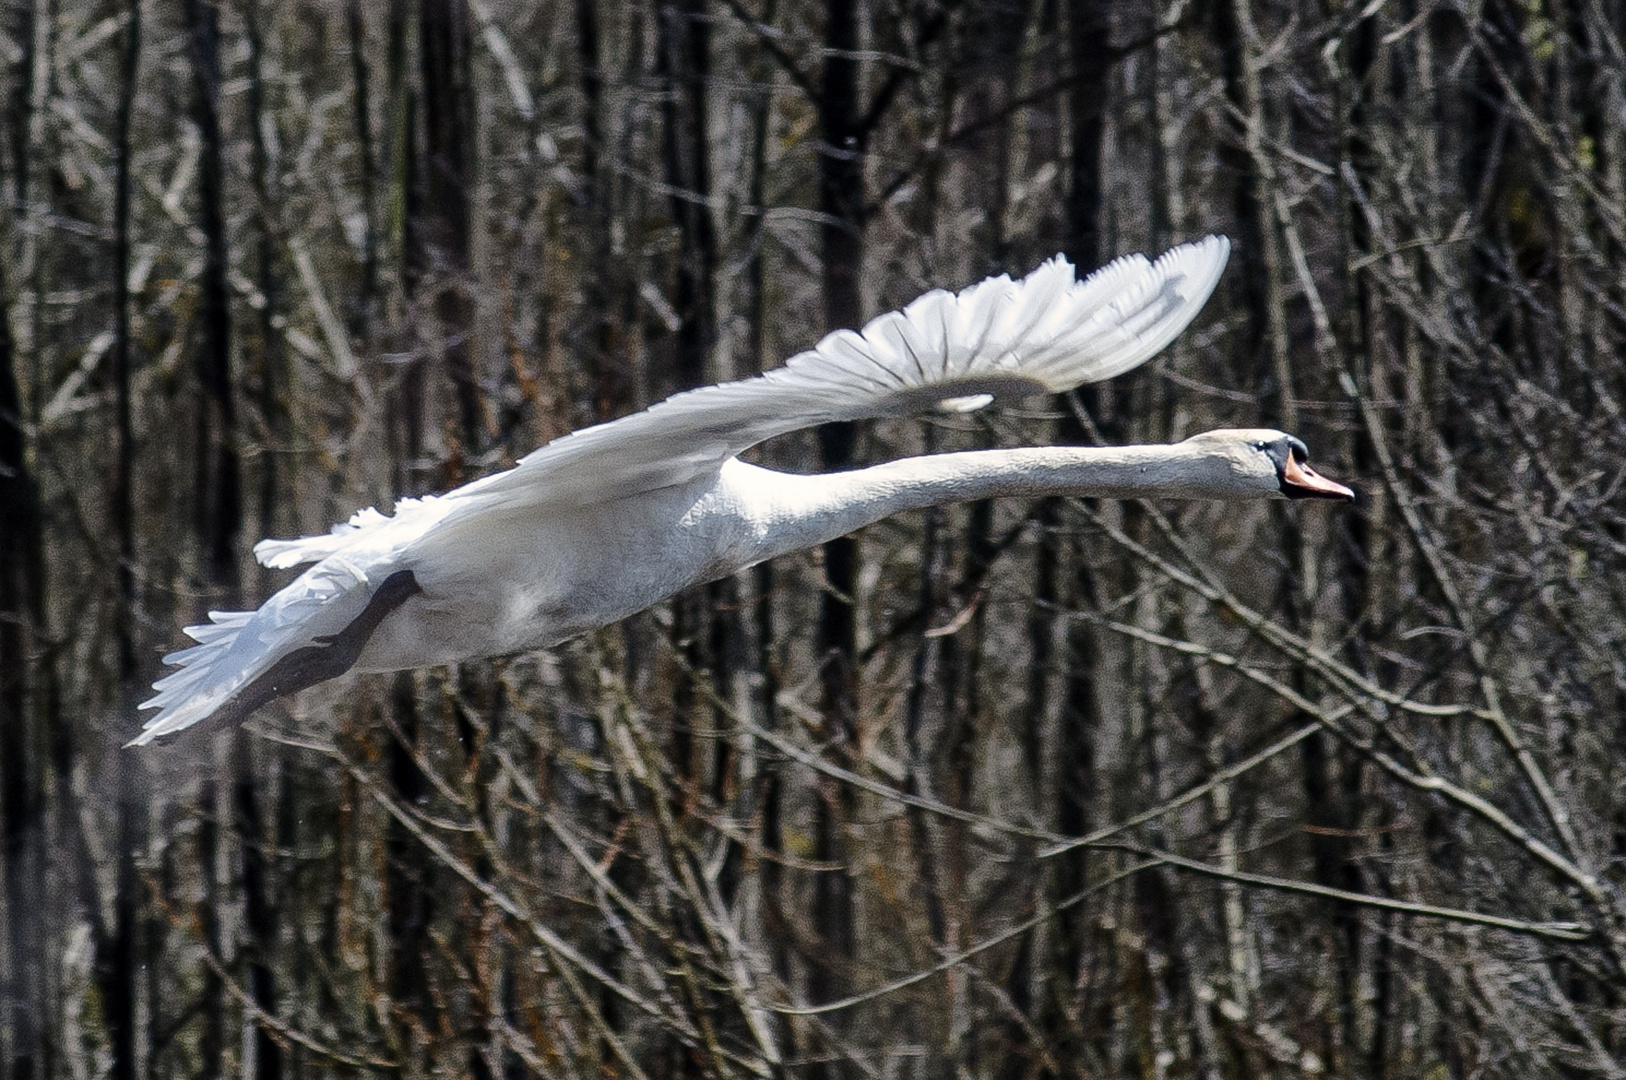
{"x": 1047, "y": 789}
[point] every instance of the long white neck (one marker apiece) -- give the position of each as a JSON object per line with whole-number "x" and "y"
{"x": 793, "y": 512}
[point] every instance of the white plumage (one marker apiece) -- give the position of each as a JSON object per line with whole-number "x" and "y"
{"x": 602, "y": 523}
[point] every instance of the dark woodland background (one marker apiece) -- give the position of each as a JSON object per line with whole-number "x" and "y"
{"x": 1045, "y": 789}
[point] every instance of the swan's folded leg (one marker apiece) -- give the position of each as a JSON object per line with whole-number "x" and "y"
{"x": 334, "y": 654}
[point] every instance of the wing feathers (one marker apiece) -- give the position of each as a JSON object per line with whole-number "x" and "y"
{"x": 281, "y": 554}
{"x": 1045, "y": 332}
{"x": 1049, "y": 328}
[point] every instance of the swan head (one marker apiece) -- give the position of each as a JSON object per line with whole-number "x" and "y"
{"x": 1271, "y": 462}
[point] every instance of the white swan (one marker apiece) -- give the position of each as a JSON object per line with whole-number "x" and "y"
{"x": 603, "y": 523}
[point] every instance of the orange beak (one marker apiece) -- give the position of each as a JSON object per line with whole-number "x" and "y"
{"x": 1299, "y": 481}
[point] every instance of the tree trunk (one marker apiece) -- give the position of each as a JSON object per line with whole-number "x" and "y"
{"x": 119, "y": 955}
{"x": 682, "y": 64}
{"x": 449, "y": 119}
{"x": 1088, "y": 39}
{"x": 364, "y": 308}
{"x": 255, "y": 836}
{"x": 219, "y": 483}
{"x": 841, "y": 201}
{"x": 22, "y": 766}
{"x": 23, "y": 729}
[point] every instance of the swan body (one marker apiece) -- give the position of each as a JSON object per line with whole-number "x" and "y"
{"x": 603, "y": 523}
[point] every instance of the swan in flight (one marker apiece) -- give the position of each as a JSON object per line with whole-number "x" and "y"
{"x": 607, "y": 521}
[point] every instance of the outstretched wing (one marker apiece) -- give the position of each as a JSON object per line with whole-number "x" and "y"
{"x": 953, "y": 351}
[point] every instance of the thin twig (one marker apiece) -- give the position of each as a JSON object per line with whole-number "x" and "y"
{"x": 959, "y": 958}
{"x": 1561, "y": 931}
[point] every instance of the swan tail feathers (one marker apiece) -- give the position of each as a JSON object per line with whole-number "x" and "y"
{"x": 235, "y": 647}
